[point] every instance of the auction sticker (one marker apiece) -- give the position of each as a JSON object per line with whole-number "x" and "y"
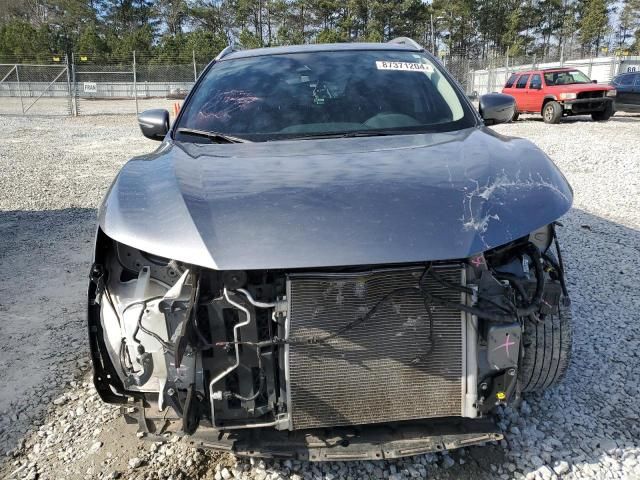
{"x": 404, "y": 66}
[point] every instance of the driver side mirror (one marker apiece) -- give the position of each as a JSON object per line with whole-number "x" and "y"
{"x": 154, "y": 123}
{"x": 536, "y": 86}
{"x": 497, "y": 108}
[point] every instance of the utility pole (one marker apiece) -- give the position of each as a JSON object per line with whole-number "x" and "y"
{"x": 433, "y": 38}
{"x": 259, "y": 32}
{"x": 135, "y": 82}
{"x": 433, "y": 33}
{"x": 195, "y": 68}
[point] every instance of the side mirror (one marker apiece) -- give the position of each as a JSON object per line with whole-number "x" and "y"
{"x": 594, "y": 81}
{"x": 154, "y": 123}
{"x": 536, "y": 86}
{"x": 497, "y": 108}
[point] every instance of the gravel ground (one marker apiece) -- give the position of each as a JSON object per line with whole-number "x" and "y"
{"x": 52, "y": 425}
{"x": 60, "y": 106}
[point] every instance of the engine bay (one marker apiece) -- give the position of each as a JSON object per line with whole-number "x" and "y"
{"x": 321, "y": 348}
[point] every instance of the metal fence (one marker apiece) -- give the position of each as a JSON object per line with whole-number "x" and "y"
{"x": 82, "y": 85}
{"x": 35, "y": 88}
{"x": 480, "y": 76}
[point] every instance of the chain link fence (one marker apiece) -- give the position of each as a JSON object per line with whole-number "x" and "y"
{"x": 83, "y": 85}
{"x": 35, "y": 87}
{"x": 130, "y": 84}
{"x": 101, "y": 87}
{"x": 479, "y": 76}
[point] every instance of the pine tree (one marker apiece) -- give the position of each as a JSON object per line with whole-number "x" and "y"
{"x": 629, "y": 23}
{"x": 593, "y": 24}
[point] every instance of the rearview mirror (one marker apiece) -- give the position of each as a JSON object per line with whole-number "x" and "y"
{"x": 497, "y": 108}
{"x": 154, "y": 123}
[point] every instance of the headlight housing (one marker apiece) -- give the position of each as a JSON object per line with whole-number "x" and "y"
{"x": 568, "y": 96}
{"x": 612, "y": 93}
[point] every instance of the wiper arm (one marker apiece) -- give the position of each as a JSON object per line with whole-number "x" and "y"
{"x": 373, "y": 133}
{"x": 213, "y": 136}
{"x": 358, "y": 133}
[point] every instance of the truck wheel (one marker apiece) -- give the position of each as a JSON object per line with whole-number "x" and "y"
{"x": 604, "y": 115}
{"x": 546, "y": 350}
{"x": 552, "y": 112}
{"x": 515, "y": 116}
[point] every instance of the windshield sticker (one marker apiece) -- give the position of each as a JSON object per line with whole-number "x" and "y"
{"x": 404, "y": 66}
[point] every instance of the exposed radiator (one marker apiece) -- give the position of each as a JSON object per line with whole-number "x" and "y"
{"x": 380, "y": 370}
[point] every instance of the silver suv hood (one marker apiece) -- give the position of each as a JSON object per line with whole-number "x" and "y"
{"x": 332, "y": 202}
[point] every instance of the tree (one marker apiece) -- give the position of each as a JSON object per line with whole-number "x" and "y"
{"x": 130, "y": 25}
{"x": 171, "y": 29}
{"x": 593, "y": 24}
{"x": 23, "y": 41}
{"x": 635, "y": 47}
{"x": 90, "y": 42}
{"x": 67, "y": 20}
{"x": 511, "y": 37}
{"x": 172, "y": 14}
{"x": 629, "y": 22}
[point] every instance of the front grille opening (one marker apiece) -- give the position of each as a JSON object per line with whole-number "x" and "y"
{"x": 390, "y": 368}
{"x": 593, "y": 94}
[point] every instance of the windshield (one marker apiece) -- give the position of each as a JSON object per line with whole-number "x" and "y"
{"x": 312, "y": 94}
{"x": 565, "y": 78}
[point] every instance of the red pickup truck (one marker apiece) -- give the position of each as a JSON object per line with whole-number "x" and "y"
{"x": 559, "y": 92}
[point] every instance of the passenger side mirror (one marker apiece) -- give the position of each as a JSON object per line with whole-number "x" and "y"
{"x": 594, "y": 81}
{"x": 497, "y": 108}
{"x": 154, "y": 123}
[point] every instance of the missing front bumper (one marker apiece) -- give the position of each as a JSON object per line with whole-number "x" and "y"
{"x": 369, "y": 442}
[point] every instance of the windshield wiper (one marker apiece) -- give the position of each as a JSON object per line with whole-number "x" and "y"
{"x": 213, "y": 136}
{"x": 357, "y": 133}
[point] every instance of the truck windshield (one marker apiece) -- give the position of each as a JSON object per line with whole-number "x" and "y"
{"x": 303, "y": 95}
{"x": 565, "y": 78}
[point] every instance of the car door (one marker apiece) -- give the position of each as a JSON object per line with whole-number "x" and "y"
{"x": 520, "y": 92}
{"x": 624, "y": 89}
{"x": 635, "y": 92}
{"x": 535, "y": 93}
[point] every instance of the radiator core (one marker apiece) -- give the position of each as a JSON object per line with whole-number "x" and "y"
{"x": 388, "y": 368}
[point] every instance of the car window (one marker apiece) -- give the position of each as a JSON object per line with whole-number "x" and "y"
{"x": 565, "y": 77}
{"x": 282, "y": 96}
{"x": 624, "y": 80}
{"x": 536, "y": 81}
{"x": 637, "y": 79}
{"x": 522, "y": 81}
{"x": 511, "y": 81}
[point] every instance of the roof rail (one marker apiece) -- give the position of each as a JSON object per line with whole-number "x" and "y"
{"x": 406, "y": 41}
{"x": 225, "y": 51}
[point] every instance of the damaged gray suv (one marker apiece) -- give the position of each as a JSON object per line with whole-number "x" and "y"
{"x": 329, "y": 256}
